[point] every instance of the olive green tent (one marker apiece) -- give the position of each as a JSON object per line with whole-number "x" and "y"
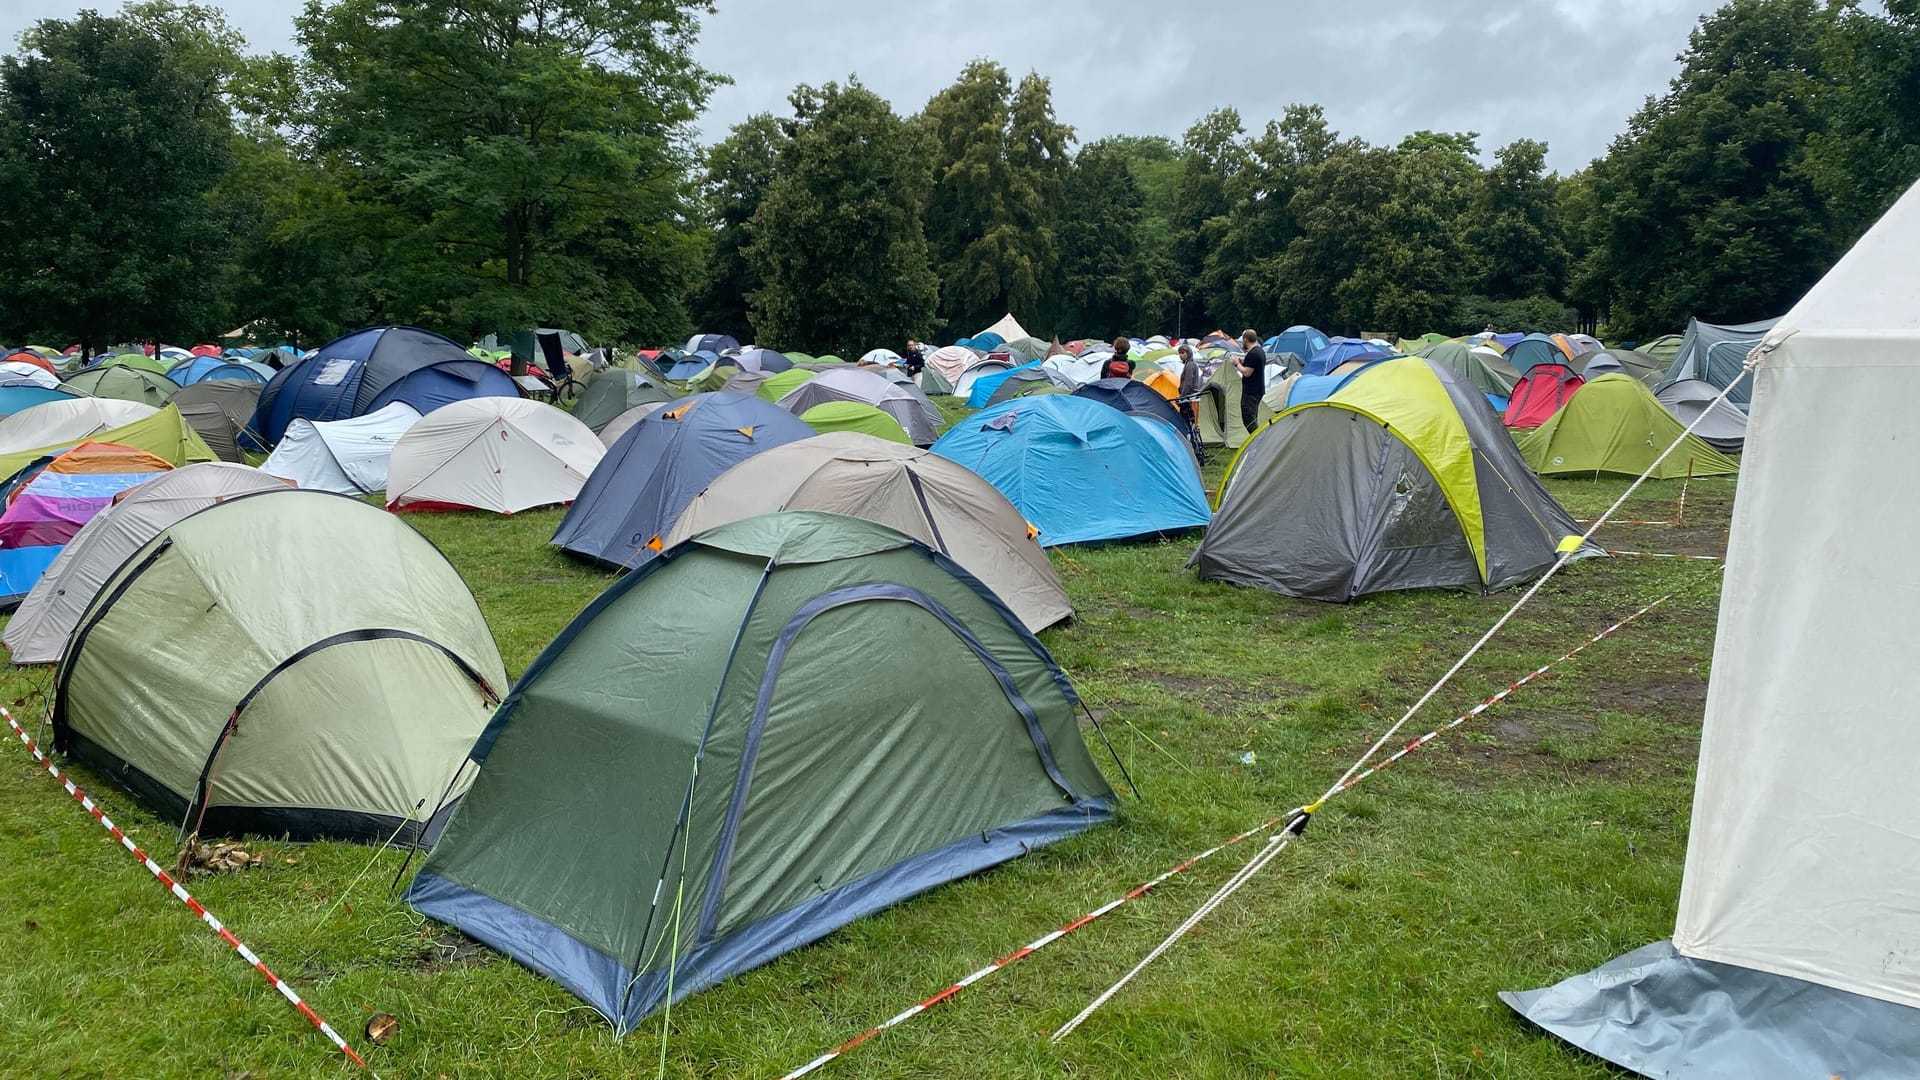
{"x": 124, "y": 382}
{"x": 713, "y": 764}
{"x": 1487, "y": 371}
{"x": 853, "y": 416}
{"x": 1614, "y": 424}
{"x": 714, "y": 378}
{"x": 613, "y": 391}
{"x": 1219, "y": 409}
{"x": 290, "y": 663}
{"x": 165, "y": 435}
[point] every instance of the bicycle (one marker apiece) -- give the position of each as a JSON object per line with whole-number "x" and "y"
{"x": 1189, "y": 409}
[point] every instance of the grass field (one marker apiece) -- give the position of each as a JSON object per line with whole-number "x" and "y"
{"x": 1541, "y": 839}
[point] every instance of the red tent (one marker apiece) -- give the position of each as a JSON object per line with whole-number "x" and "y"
{"x": 1540, "y": 394}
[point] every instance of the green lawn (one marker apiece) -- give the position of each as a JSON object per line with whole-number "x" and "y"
{"x": 1538, "y": 841}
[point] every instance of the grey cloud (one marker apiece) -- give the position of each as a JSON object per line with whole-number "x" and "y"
{"x": 1566, "y": 71}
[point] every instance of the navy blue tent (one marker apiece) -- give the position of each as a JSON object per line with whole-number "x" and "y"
{"x": 1340, "y": 351}
{"x": 712, "y": 343}
{"x": 766, "y": 360}
{"x": 653, "y": 471}
{"x": 690, "y": 366}
{"x": 371, "y": 369}
{"x": 1134, "y": 398}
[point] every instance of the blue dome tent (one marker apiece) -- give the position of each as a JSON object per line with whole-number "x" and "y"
{"x": 712, "y": 343}
{"x": 1080, "y": 470}
{"x": 21, "y": 395}
{"x": 655, "y": 469}
{"x": 202, "y": 368}
{"x": 1301, "y": 341}
{"x": 370, "y": 369}
{"x": 1340, "y": 351}
{"x": 985, "y": 385}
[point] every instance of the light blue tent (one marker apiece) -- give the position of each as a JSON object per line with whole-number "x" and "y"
{"x": 1301, "y": 341}
{"x": 202, "y": 368}
{"x": 1082, "y": 471}
{"x": 23, "y": 395}
{"x": 1310, "y": 388}
{"x": 985, "y": 385}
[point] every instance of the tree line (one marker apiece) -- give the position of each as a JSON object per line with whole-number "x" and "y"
{"x": 486, "y": 165}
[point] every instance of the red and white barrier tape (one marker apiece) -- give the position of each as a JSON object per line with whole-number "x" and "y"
{"x": 1041, "y": 943}
{"x": 181, "y": 894}
{"x": 1024, "y": 952}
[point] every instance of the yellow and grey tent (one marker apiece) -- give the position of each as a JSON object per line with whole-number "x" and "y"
{"x": 1615, "y": 425}
{"x": 1402, "y": 479}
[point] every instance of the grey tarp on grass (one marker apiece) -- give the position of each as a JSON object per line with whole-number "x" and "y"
{"x": 1674, "y": 1017}
{"x": 828, "y": 786}
{"x": 39, "y": 630}
{"x": 647, "y": 478}
{"x": 1716, "y": 354}
{"x": 1724, "y": 427}
{"x": 613, "y": 391}
{"x": 938, "y": 502}
{"x": 323, "y": 655}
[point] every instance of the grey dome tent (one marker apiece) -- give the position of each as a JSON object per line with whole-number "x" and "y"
{"x": 1402, "y": 479}
{"x": 1134, "y": 399}
{"x": 39, "y": 630}
{"x": 613, "y": 391}
{"x": 220, "y": 410}
{"x": 289, "y": 663}
{"x": 1716, "y": 354}
{"x": 639, "y": 837}
{"x": 647, "y": 478}
{"x": 1639, "y": 365}
{"x": 1725, "y": 426}
{"x": 618, "y": 427}
{"x": 908, "y": 405}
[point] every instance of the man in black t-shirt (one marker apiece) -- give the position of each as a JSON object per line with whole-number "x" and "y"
{"x": 1253, "y": 378}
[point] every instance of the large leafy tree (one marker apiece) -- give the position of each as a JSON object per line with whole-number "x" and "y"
{"x": 1708, "y": 203}
{"x": 1871, "y": 151}
{"x": 838, "y": 242}
{"x": 740, "y": 168}
{"x": 1000, "y": 167}
{"x": 1514, "y": 225}
{"x": 1239, "y": 274}
{"x": 1102, "y": 276}
{"x": 1212, "y": 153}
{"x": 527, "y": 159}
{"x": 113, "y": 132}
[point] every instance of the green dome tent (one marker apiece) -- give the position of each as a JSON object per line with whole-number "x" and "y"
{"x": 124, "y": 382}
{"x": 783, "y": 782}
{"x": 1615, "y": 425}
{"x": 613, "y": 391}
{"x": 779, "y": 386}
{"x": 853, "y": 416}
{"x": 290, "y": 663}
{"x": 1489, "y": 373}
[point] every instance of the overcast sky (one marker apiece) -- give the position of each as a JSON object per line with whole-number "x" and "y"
{"x": 1566, "y": 71}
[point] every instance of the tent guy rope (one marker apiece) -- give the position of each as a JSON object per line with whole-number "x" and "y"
{"x": 183, "y": 896}
{"x": 1041, "y": 943}
{"x": 1278, "y": 843}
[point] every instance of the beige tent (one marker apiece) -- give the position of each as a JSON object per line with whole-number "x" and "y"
{"x": 39, "y": 629}
{"x": 1008, "y": 328}
{"x": 618, "y": 425}
{"x": 934, "y": 500}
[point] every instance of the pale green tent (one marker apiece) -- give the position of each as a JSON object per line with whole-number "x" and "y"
{"x": 1219, "y": 410}
{"x": 289, "y": 663}
{"x": 126, "y": 382}
{"x": 853, "y": 416}
{"x": 1615, "y": 425}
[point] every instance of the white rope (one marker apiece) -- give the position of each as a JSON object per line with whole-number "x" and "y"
{"x": 1279, "y": 842}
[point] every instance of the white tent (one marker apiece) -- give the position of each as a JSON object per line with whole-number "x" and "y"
{"x": 1074, "y": 372}
{"x": 55, "y": 422}
{"x": 39, "y": 629}
{"x": 1794, "y": 951}
{"x": 881, "y": 356}
{"x": 1008, "y": 328}
{"x": 348, "y": 457}
{"x": 500, "y": 454}
{"x": 32, "y": 373}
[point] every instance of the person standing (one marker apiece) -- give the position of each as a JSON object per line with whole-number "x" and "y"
{"x": 1252, "y": 366}
{"x": 915, "y": 359}
{"x": 1190, "y": 383}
